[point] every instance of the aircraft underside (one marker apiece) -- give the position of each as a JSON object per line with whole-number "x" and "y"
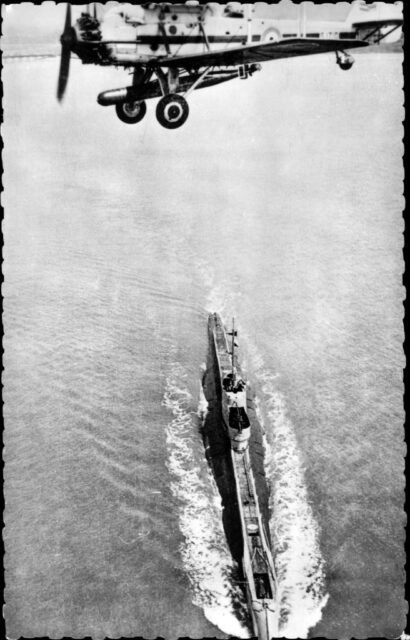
{"x": 173, "y": 50}
{"x": 172, "y": 85}
{"x": 173, "y": 89}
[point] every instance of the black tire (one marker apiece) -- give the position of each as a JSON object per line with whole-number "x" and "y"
{"x": 172, "y": 111}
{"x": 131, "y": 112}
{"x": 345, "y": 65}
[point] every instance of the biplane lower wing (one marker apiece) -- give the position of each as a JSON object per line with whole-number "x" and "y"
{"x": 249, "y": 54}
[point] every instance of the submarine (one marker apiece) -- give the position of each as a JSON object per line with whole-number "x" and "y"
{"x": 260, "y": 580}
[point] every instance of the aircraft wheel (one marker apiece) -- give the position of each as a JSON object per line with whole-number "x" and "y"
{"x": 131, "y": 112}
{"x": 172, "y": 111}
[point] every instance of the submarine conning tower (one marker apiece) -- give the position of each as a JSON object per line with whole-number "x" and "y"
{"x": 233, "y": 386}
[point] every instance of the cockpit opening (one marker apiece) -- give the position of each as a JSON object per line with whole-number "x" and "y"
{"x": 238, "y": 419}
{"x": 234, "y": 10}
{"x": 262, "y": 586}
{"x": 233, "y": 384}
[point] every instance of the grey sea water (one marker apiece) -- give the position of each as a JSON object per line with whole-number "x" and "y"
{"x": 279, "y": 202}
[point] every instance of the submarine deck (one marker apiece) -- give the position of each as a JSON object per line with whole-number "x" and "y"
{"x": 218, "y": 441}
{"x": 241, "y": 480}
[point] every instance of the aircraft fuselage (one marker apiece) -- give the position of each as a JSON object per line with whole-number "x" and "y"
{"x": 136, "y": 34}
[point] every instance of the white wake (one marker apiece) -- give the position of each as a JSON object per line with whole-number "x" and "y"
{"x": 205, "y": 555}
{"x": 294, "y": 531}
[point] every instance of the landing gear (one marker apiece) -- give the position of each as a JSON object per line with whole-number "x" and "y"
{"x": 131, "y": 112}
{"x": 172, "y": 111}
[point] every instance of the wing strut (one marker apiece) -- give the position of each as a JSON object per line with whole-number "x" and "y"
{"x": 205, "y": 37}
{"x": 197, "y": 81}
{"x": 201, "y": 20}
{"x": 383, "y": 36}
{"x": 163, "y": 31}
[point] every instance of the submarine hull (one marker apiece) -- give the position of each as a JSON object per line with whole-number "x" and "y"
{"x": 249, "y": 492}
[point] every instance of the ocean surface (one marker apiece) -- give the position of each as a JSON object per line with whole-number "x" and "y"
{"x": 280, "y": 203}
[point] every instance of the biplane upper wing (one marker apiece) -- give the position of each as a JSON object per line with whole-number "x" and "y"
{"x": 248, "y": 54}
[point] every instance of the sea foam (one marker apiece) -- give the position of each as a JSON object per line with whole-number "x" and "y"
{"x": 294, "y": 531}
{"x": 205, "y": 555}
